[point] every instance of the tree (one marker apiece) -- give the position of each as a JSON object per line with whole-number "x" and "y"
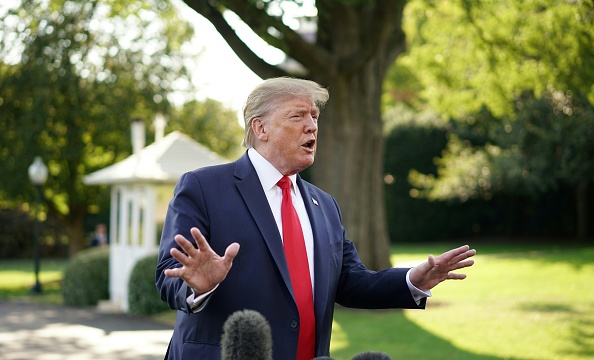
{"x": 353, "y": 44}
{"x": 480, "y": 61}
{"x": 557, "y": 143}
{"x": 72, "y": 75}
{"x": 211, "y": 124}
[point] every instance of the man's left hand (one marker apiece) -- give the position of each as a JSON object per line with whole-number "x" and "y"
{"x": 437, "y": 269}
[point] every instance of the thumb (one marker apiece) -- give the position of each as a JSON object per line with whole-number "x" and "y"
{"x": 431, "y": 261}
{"x": 231, "y": 252}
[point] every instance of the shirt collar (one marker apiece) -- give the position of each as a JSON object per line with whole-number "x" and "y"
{"x": 267, "y": 173}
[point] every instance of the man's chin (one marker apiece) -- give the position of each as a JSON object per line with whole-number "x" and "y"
{"x": 307, "y": 163}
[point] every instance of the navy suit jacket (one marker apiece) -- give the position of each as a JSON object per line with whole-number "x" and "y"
{"x": 227, "y": 203}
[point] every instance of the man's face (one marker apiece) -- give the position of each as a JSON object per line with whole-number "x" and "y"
{"x": 287, "y": 136}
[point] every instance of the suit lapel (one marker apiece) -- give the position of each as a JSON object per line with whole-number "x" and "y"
{"x": 250, "y": 188}
{"x": 321, "y": 249}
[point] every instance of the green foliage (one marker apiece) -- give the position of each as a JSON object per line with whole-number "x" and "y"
{"x": 16, "y": 234}
{"x": 547, "y": 143}
{"x": 211, "y": 124}
{"x": 516, "y": 81}
{"x": 86, "y": 278}
{"x": 412, "y": 143}
{"x": 557, "y": 138}
{"x": 466, "y": 180}
{"x": 72, "y": 75}
{"x": 143, "y": 298}
{"x": 17, "y": 237}
{"x": 487, "y": 53}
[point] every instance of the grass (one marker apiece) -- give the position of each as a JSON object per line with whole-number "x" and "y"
{"x": 520, "y": 301}
{"x": 17, "y": 277}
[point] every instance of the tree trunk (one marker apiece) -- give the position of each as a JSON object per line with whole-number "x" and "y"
{"x": 349, "y": 162}
{"x": 75, "y": 229}
{"x": 73, "y": 224}
{"x": 356, "y": 42}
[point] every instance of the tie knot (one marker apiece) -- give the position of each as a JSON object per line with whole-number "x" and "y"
{"x": 284, "y": 183}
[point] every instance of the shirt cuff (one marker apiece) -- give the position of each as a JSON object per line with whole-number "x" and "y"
{"x": 416, "y": 293}
{"x": 197, "y": 303}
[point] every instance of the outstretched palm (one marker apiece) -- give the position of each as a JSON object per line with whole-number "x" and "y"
{"x": 202, "y": 268}
{"x": 437, "y": 269}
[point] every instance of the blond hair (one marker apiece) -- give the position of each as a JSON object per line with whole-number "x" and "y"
{"x": 265, "y": 96}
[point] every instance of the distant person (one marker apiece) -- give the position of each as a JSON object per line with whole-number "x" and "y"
{"x": 295, "y": 261}
{"x": 99, "y": 236}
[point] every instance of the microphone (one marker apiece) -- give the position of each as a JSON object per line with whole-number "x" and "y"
{"x": 246, "y": 335}
{"x": 371, "y": 355}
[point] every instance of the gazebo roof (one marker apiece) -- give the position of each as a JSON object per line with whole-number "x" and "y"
{"x": 163, "y": 161}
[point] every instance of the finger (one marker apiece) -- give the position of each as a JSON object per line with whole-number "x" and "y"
{"x": 185, "y": 244}
{"x": 462, "y": 264}
{"x": 448, "y": 255}
{"x": 176, "y": 272}
{"x": 181, "y": 257}
{"x": 455, "y": 276}
{"x": 200, "y": 239}
{"x": 463, "y": 256}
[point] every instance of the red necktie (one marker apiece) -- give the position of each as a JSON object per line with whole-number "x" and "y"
{"x": 299, "y": 271}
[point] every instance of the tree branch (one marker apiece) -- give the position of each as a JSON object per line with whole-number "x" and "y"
{"x": 249, "y": 58}
{"x": 292, "y": 43}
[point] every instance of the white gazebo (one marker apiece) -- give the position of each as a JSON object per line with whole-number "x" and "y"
{"x": 141, "y": 187}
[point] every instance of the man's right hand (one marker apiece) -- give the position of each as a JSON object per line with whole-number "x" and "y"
{"x": 202, "y": 268}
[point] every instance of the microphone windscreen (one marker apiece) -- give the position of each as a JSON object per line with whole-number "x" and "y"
{"x": 372, "y": 355}
{"x": 246, "y": 335}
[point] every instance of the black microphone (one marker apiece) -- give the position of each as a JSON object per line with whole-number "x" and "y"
{"x": 371, "y": 355}
{"x": 246, "y": 335}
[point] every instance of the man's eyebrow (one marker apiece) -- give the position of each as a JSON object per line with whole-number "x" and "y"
{"x": 303, "y": 110}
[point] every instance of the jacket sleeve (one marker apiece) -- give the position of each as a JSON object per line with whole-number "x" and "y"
{"x": 359, "y": 287}
{"x": 187, "y": 209}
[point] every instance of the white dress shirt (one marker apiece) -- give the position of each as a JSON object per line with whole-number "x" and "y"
{"x": 269, "y": 176}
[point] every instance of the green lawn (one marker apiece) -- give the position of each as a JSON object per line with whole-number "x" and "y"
{"x": 17, "y": 277}
{"x": 520, "y": 301}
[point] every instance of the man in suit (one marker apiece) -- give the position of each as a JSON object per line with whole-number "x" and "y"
{"x": 237, "y": 210}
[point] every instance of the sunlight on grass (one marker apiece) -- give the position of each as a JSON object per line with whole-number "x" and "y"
{"x": 520, "y": 301}
{"x": 340, "y": 339}
{"x": 525, "y": 301}
{"x": 535, "y": 305}
{"x": 15, "y": 278}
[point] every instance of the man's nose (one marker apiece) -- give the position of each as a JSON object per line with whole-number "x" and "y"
{"x": 311, "y": 125}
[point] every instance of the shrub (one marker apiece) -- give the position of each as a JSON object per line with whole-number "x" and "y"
{"x": 86, "y": 278}
{"x": 17, "y": 237}
{"x": 143, "y": 298}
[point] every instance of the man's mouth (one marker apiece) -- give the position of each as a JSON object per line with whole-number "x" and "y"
{"x": 310, "y": 144}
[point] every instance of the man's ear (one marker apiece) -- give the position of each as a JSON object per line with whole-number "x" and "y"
{"x": 259, "y": 129}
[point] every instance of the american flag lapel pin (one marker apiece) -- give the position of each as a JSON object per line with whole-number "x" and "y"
{"x": 314, "y": 201}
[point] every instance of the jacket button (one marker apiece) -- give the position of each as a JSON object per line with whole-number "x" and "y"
{"x": 294, "y": 324}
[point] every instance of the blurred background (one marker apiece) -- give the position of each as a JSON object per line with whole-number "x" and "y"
{"x": 449, "y": 122}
